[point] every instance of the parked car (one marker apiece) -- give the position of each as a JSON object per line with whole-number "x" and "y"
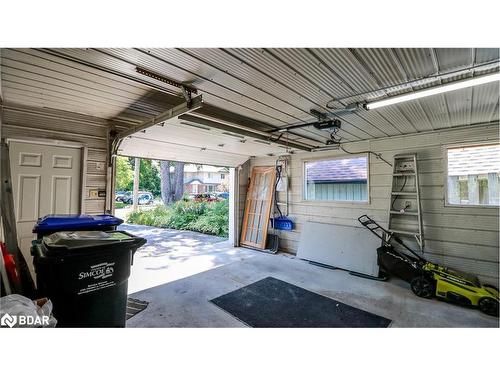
{"x": 206, "y": 197}
{"x": 223, "y": 195}
{"x": 119, "y": 195}
{"x": 146, "y": 198}
{"x": 143, "y": 197}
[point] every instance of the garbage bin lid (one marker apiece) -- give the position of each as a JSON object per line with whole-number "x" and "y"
{"x": 77, "y": 241}
{"x": 52, "y": 223}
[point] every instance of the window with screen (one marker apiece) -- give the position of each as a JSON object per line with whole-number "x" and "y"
{"x": 337, "y": 179}
{"x": 473, "y": 175}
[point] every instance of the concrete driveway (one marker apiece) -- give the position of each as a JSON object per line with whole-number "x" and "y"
{"x": 172, "y": 254}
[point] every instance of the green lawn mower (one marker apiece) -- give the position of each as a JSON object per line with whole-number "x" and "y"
{"x": 428, "y": 279}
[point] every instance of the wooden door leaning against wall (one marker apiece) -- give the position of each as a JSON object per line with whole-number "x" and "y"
{"x": 258, "y": 207}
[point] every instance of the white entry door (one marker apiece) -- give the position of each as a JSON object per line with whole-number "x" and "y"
{"x": 46, "y": 180}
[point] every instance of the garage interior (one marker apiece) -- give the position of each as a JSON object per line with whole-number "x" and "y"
{"x": 246, "y": 108}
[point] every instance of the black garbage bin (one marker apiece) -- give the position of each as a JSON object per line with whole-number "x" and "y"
{"x": 54, "y": 223}
{"x": 85, "y": 275}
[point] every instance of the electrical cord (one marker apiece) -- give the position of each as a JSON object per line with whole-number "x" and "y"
{"x": 378, "y": 156}
{"x": 278, "y": 178}
{"x": 396, "y": 197}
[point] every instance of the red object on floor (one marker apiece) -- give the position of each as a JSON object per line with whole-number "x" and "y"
{"x": 10, "y": 265}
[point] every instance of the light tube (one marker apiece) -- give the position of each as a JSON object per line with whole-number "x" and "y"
{"x": 435, "y": 90}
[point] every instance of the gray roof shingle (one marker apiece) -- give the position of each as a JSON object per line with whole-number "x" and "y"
{"x": 337, "y": 170}
{"x": 473, "y": 160}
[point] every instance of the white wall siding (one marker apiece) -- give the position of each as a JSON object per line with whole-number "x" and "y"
{"x": 461, "y": 237}
{"x": 22, "y": 121}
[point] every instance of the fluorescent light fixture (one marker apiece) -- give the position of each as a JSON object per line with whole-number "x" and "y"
{"x": 435, "y": 90}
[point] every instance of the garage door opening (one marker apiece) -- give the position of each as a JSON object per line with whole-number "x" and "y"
{"x": 181, "y": 208}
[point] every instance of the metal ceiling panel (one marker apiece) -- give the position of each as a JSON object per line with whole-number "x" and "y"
{"x": 337, "y": 79}
{"x": 495, "y": 115}
{"x": 125, "y": 61}
{"x": 364, "y": 125}
{"x": 119, "y": 60}
{"x": 345, "y": 64}
{"x": 224, "y": 60}
{"x": 459, "y": 106}
{"x": 395, "y": 116}
{"x": 285, "y": 74}
{"x": 49, "y": 83}
{"x": 416, "y": 62}
{"x": 437, "y": 111}
{"x": 454, "y": 58}
{"x": 232, "y": 65}
{"x": 219, "y": 75}
{"x": 108, "y": 81}
{"x": 219, "y": 72}
{"x": 414, "y": 112}
{"x": 174, "y": 65}
{"x": 383, "y": 124}
{"x": 277, "y": 87}
{"x": 306, "y": 62}
{"x": 484, "y": 102}
{"x": 484, "y": 55}
{"x": 381, "y": 63}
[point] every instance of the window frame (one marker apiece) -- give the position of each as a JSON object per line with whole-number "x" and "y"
{"x": 339, "y": 203}
{"x": 445, "y": 174}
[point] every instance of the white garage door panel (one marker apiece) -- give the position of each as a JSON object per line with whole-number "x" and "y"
{"x": 180, "y": 142}
{"x": 151, "y": 149}
{"x": 349, "y": 248}
{"x": 46, "y": 180}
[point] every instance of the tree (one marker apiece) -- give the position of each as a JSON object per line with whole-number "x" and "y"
{"x": 179, "y": 180}
{"x": 124, "y": 174}
{"x": 172, "y": 187}
{"x": 166, "y": 183}
{"x": 149, "y": 178}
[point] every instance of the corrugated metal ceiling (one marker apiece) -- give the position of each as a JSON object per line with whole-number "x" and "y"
{"x": 277, "y": 87}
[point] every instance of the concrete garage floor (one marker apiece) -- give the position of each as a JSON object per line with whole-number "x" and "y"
{"x": 178, "y": 272}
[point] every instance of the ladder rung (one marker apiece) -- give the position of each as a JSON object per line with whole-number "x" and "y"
{"x": 404, "y": 193}
{"x": 280, "y": 202}
{"x": 411, "y": 213}
{"x": 404, "y": 232}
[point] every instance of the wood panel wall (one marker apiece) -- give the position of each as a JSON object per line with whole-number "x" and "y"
{"x": 462, "y": 237}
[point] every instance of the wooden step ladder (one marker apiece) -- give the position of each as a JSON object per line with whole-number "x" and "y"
{"x": 405, "y": 215}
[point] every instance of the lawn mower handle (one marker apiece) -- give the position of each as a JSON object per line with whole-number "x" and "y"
{"x": 366, "y": 221}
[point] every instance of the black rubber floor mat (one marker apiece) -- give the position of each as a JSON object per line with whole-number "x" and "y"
{"x": 274, "y": 303}
{"x": 135, "y": 306}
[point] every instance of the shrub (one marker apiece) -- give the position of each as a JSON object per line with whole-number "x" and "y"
{"x": 205, "y": 217}
{"x": 215, "y": 220}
